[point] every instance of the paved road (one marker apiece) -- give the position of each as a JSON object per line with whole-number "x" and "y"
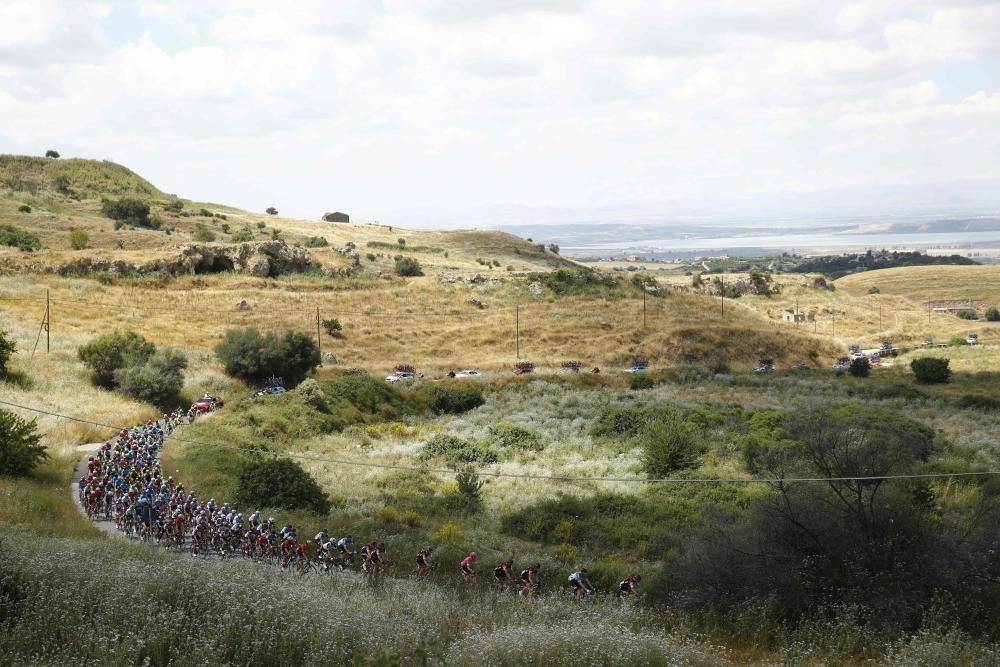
{"x": 106, "y": 527}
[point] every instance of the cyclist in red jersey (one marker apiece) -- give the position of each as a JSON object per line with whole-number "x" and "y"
{"x": 468, "y": 568}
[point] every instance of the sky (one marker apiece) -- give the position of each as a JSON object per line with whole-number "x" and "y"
{"x": 451, "y": 113}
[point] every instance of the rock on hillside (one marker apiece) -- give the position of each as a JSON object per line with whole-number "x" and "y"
{"x": 264, "y": 259}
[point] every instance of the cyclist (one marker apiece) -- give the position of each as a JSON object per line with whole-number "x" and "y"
{"x": 468, "y": 567}
{"x": 424, "y": 562}
{"x": 376, "y": 559}
{"x": 529, "y": 580}
{"x": 627, "y": 587}
{"x": 503, "y": 575}
{"x": 322, "y": 537}
{"x": 578, "y": 580}
{"x": 344, "y": 547}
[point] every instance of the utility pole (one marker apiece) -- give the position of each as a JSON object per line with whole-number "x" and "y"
{"x": 517, "y": 329}
{"x": 319, "y": 344}
{"x": 880, "y": 317}
{"x": 48, "y": 320}
{"x": 833, "y": 324}
{"x": 723, "y": 293}
{"x": 644, "y": 307}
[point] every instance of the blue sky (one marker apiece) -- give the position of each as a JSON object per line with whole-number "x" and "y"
{"x": 436, "y": 112}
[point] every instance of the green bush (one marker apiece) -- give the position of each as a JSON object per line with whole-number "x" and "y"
{"x": 111, "y": 352}
{"x": 457, "y": 451}
{"x": 860, "y": 367}
{"x": 967, "y": 314}
{"x": 78, "y": 239}
{"x": 992, "y": 314}
{"x": 158, "y": 379}
{"x": 370, "y": 256}
{"x": 175, "y": 205}
{"x": 205, "y": 213}
{"x": 128, "y": 210}
{"x": 628, "y": 422}
{"x": 574, "y": 281}
{"x": 203, "y": 234}
{"x": 978, "y": 402}
{"x": 453, "y": 400}
{"x": 20, "y": 450}
{"x": 408, "y": 266}
{"x": 315, "y": 242}
{"x": 641, "y": 381}
{"x": 243, "y": 235}
{"x": 469, "y": 497}
{"x": 16, "y": 237}
{"x": 509, "y": 436}
{"x": 7, "y": 349}
{"x": 24, "y": 208}
{"x": 253, "y": 357}
{"x": 312, "y": 394}
{"x": 333, "y": 327}
{"x": 279, "y": 483}
{"x": 931, "y": 370}
{"x": 669, "y": 445}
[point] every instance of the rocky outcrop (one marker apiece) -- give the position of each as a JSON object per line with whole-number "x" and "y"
{"x": 264, "y": 259}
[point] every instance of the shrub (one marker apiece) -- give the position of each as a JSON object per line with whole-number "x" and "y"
{"x": 457, "y": 451}
{"x": 511, "y": 436}
{"x": 667, "y": 446}
{"x": 469, "y": 491}
{"x": 408, "y": 266}
{"x": 78, "y": 239}
{"x": 52, "y": 154}
{"x": 7, "y": 349}
{"x": 261, "y": 225}
{"x": 270, "y": 211}
{"x": 370, "y": 256}
{"x": 16, "y": 237}
{"x": 20, "y": 450}
{"x": 315, "y": 242}
{"x": 156, "y": 222}
{"x": 175, "y": 205}
{"x": 401, "y": 242}
{"x": 641, "y": 381}
{"x": 158, "y": 379}
{"x": 205, "y": 213}
{"x": 243, "y": 235}
{"x": 225, "y": 228}
{"x": 874, "y": 290}
{"x": 203, "y": 234}
{"x": 61, "y": 183}
{"x": 931, "y": 370}
{"x": 978, "y": 402}
{"x": 957, "y": 341}
{"x": 312, "y": 394}
{"x": 253, "y": 357}
{"x": 992, "y": 314}
{"x": 967, "y": 314}
{"x": 860, "y": 367}
{"x": 24, "y": 208}
{"x": 332, "y": 327}
{"x": 127, "y": 210}
{"x": 454, "y": 400}
{"x": 111, "y": 352}
{"x": 279, "y": 483}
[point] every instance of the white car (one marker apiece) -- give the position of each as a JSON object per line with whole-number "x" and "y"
{"x": 637, "y": 369}
{"x": 972, "y": 339}
{"x": 468, "y": 373}
{"x": 400, "y": 377}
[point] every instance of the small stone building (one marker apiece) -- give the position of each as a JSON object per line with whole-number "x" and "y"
{"x": 336, "y": 216}
{"x": 797, "y": 316}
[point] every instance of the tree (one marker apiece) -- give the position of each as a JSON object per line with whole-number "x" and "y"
{"x": 271, "y": 210}
{"x": 696, "y": 281}
{"x": 553, "y": 248}
{"x": 111, "y": 352}
{"x": 127, "y": 210}
{"x": 279, "y": 483}
{"x": 243, "y": 235}
{"x": 668, "y": 444}
{"x": 52, "y": 154}
{"x": 78, "y": 239}
{"x": 408, "y": 266}
{"x": 931, "y": 370}
{"x": 251, "y": 356}
{"x": 333, "y": 327}
{"x": 158, "y": 379}
{"x": 7, "y": 349}
{"x": 760, "y": 281}
{"x": 401, "y": 242}
{"x": 860, "y": 367}
{"x": 20, "y": 448}
{"x": 992, "y": 314}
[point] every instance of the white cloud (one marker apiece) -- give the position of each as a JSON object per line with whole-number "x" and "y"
{"x": 389, "y": 107}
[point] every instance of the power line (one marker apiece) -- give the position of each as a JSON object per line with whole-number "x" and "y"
{"x": 523, "y": 476}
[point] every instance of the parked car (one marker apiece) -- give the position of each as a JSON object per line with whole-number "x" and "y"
{"x": 842, "y": 364}
{"x": 207, "y": 403}
{"x": 468, "y": 373}
{"x": 800, "y": 366}
{"x": 638, "y": 366}
{"x": 972, "y": 339}
{"x": 524, "y": 368}
{"x": 269, "y": 391}
{"x": 400, "y": 376}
